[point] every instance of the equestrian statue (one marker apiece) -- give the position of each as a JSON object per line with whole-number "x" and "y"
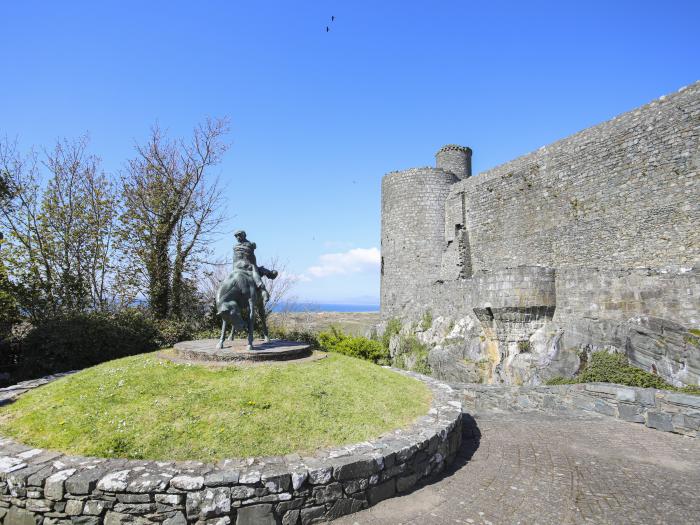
{"x": 243, "y": 290}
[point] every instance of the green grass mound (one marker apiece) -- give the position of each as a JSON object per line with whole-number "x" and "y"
{"x": 142, "y": 407}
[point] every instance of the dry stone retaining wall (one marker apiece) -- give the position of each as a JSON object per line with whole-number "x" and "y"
{"x": 658, "y": 409}
{"x": 42, "y": 487}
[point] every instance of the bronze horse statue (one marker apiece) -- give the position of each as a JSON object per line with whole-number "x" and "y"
{"x": 237, "y": 293}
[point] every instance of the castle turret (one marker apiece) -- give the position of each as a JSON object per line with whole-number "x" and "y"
{"x": 455, "y": 159}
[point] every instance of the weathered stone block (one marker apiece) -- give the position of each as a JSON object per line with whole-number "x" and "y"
{"x": 659, "y": 421}
{"x": 187, "y": 482}
{"x": 381, "y": 492}
{"x": 17, "y": 516}
{"x": 55, "y": 484}
{"x": 256, "y": 515}
{"x": 177, "y": 519}
{"x": 291, "y": 517}
{"x": 216, "y": 502}
{"x": 74, "y": 507}
{"x": 359, "y": 468}
{"x": 312, "y": 515}
{"x": 630, "y": 413}
{"x": 327, "y": 493}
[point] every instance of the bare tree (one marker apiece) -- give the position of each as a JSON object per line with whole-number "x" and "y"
{"x": 171, "y": 209}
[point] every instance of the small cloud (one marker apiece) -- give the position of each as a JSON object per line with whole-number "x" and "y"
{"x": 294, "y": 277}
{"x": 353, "y": 261}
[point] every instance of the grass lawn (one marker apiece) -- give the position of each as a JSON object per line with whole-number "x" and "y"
{"x": 142, "y": 407}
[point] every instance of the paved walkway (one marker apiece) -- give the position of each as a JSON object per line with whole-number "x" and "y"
{"x": 535, "y": 468}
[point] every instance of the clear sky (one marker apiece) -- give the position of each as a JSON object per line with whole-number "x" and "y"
{"x": 318, "y": 117}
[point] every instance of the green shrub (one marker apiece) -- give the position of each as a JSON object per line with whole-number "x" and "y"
{"x": 412, "y": 355}
{"x": 427, "y": 320}
{"x": 562, "y": 381}
{"x": 354, "y": 346}
{"x": 615, "y": 368}
{"x": 393, "y": 327}
{"x": 603, "y": 367}
{"x": 77, "y": 341}
{"x": 171, "y": 331}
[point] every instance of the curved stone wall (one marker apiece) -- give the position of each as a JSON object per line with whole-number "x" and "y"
{"x": 413, "y": 218}
{"x": 45, "y": 487}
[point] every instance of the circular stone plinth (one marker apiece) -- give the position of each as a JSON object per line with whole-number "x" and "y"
{"x": 237, "y": 350}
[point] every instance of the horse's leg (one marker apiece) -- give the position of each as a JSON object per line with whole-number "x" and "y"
{"x": 263, "y": 320}
{"x": 223, "y": 334}
{"x": 251, "y": 320}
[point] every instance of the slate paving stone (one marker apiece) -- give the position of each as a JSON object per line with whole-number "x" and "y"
{"x": 568, "y": 468}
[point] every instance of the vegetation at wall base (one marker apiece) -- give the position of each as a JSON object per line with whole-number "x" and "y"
{"x": 604, "y": 367}
{"x": 354, "y": 346}
{"x": 142, "y": 407}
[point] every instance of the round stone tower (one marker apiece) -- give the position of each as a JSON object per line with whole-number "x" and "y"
{"x": 413, "y": 226}
{"x": 456, "y": 160}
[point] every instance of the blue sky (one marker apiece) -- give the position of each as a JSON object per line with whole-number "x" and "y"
{"x": 318, "y": 117}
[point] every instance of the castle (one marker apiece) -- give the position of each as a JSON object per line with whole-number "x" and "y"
{"x": 591, "y": 243}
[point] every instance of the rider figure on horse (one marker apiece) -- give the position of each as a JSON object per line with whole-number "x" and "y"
{"x": 244, "y": 259}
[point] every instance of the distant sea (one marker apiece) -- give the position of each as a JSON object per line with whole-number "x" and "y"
{"x": 326, "y": 307}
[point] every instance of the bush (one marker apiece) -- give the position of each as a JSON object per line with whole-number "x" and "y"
{"x": 354, "y": 346}
{"x": 615, "y": 368}
{"x": 393, "y": 327}
{"x": 77, "y": 341}
{"x": 412, "y": 355}
{"x": 603, "y": 367}
{"x": 171, "y": 331}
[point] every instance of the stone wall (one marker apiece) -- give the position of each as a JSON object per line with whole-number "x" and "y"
{"x": 658, "y": 409}
{"x": 591, "y": 243}
{"x": 622, "y": 194}
{"x": 43, "y": 487}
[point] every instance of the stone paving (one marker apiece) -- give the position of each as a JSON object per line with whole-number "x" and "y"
{"x": 565, "y": 469}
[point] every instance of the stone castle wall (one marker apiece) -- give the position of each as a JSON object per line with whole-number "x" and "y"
{"x": 587, "y": 244}
{"x": 622, "y": 194}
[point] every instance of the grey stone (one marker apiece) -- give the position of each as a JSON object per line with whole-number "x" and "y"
{"x": 320, "y": 476}
{"x": 359, "y": 468}
{"x": 381, "y": 492}
{"x": 405, "y": 483}
{"x": 659, "y": 421}
{"x": 216, "y": 502}
{"x": 256, "y": 515}
{"x": 177, "y": 519}
{"x": 291, "y": 517}
{"x": 74, "y": 507}
{"x": 312, "y": 515}
{"x": 114, "y": 481}
{"x": 17, "y": 516}
{"x": 133, "y": 498}
{"x": 242, "y": 492}
{"x": 221, "y": 477}
{"x": 184, "y": 482}
{"x": 96, "y": 507}
{"x": 55, "y": 484}
{"x": 85, "y": 520}
{"x": 134, "y": 508}
{"x": 327, "y": 493}
{"x": 630, "y": 413}
{"x": 343, "y": 507}
{"x": 84, "y": 481}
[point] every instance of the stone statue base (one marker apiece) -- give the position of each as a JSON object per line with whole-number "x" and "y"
{"x": 236, "y": 351}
